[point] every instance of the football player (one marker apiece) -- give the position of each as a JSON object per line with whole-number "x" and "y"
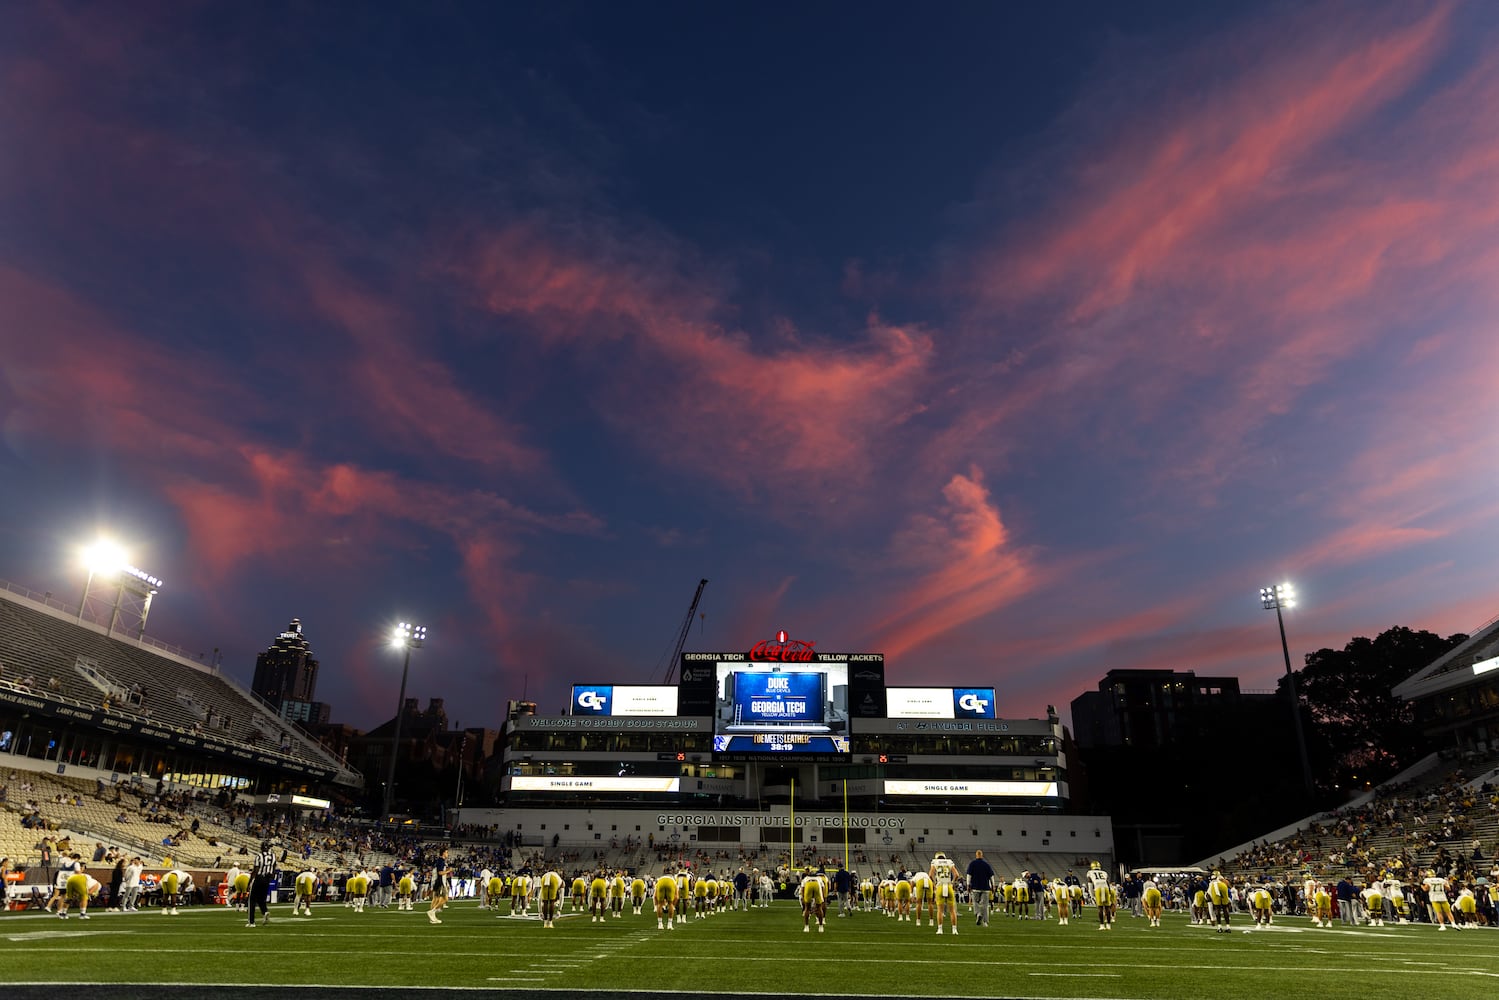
{"x": 598, "y": 892}
{"x": 944, "y": 875}
{"x": 923, "y": 896}
{"x": 240, "y": 886}
{"x": 1374, "y": 903}
{"x": 520, "y": 894}
{"x": 579, "y": 891}
{"x": 637, "y": 895}
{"x": 700, "y": 897}
{"x": 1220, "y": 902}
{"x": 306, "y": 888}
{"x": 405, "y": 889}
{"x": 1106, "y": 898}
{"x": 1436, "y": 895}
{"x": 617, "y": 889}
{"x": 902, "y": 899}
{"x": 665, "y": 900}
{"x": 1151, "y": 899}
{"x": 356, "y": 891}
{"x": 1466, "y": 907}
{"x": 549, "y": 892}
{"x": 1322, "y": 901}
{"x": 76, "y": 889}
{"x": 814, "y": 896}
{"x": 174, "y": 884}
{"x": 1260, "y": 905}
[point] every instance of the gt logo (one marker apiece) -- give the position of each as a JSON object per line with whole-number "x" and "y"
{"x": 591, "y": 700}
{"x": 973, "y": 703}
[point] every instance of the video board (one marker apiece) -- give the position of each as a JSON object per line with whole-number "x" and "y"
{"x": 940, "y": 703}
{"x": 658, "y": 700}
{"x": 776, "y": 710}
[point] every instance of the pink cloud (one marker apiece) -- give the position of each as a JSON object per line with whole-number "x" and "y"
{"x": 707, "y": 398}
{"x": 968, "y": 568}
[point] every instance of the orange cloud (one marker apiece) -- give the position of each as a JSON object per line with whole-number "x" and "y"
{"x": 971, "y": 568}
{"x": 704, "y": 398}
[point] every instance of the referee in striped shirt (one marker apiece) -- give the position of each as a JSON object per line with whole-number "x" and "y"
{"x": 261, "y": 874}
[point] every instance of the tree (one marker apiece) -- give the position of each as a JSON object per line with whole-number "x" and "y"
{"x": 1359, "y": 731}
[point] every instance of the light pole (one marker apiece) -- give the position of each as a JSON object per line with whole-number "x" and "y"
{"x": 1283, "y": 595}
{"x": 102, "y": 559}
{"x": 106, "y": 560}
{"x": 408, "y": 637}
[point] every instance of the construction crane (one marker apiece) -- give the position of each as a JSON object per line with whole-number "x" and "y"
{"x": 676, "y": 653}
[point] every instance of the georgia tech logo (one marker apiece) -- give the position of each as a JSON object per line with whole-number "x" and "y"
{"x": 591, "y": 700}
{"x": 973, "y": 703}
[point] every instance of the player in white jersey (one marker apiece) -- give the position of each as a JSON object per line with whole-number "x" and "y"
{"x": 306, "y": 887}
{"x": 618, "y": 886}
{"x": 1095, "y": 877}
{"x": 1436, "y": 895}
{"x": 814, "y": 896}
{"x": 1260, "y": 906}
{"x": 174, "y": 885}
{"x": 924, "y": 896}
{"x": 549, "y": 890}
{"x": 944, "y": 875}
{"x": 1394, "y": 894}
{"x": 767, "y": 890}
{"x": 1152, "y": 902}
{"x": 485, "y": 874}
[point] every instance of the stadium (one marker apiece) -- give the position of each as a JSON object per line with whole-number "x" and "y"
{"x": 780, "y": 761}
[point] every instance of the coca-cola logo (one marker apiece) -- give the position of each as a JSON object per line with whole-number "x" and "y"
{"x": 783, "y": 650}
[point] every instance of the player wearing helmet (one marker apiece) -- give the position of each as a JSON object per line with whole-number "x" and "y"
{"x": 1220, "y": 902}
{"x": 549, "y": 892}
{"x": 665, "y": 900}
{"x": 1151, "y": 900}
{"x": 944, "y": 875}
{"x": 814, "y": 896}
{"x": 1436, "y": 896}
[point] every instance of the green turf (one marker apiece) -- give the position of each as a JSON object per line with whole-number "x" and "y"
{"x": 761, "y": 951}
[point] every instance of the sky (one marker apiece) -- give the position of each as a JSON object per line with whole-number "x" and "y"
{"x": 1018, "y": 342}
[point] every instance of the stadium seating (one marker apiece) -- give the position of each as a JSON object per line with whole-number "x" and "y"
{"x": 58, "y": 658}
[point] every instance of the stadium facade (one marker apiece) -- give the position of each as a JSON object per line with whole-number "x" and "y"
{"x": 76, "y": 693}
{"x": 1456, "y": 696}
{"x": 782, "y": 745}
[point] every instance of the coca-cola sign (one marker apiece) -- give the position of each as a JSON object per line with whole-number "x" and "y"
{"x": 783, "y": 650}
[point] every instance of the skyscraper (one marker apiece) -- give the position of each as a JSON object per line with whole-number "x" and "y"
{"x": 287, "y": 671}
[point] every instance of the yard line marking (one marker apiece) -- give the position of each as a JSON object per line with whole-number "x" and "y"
{"x": 1080, "y": 975}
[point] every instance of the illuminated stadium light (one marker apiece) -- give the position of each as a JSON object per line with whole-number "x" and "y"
{"x": 1283, "y": 595}
{"x": 103, "y": 558}
{"x": 106, "y": 560}
{"x": 408, "y": 637}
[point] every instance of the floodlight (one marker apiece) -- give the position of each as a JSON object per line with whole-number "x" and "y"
{"x": 104, "y": 558}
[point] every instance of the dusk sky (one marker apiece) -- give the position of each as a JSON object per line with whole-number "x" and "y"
{"x": 1019, "y": 342}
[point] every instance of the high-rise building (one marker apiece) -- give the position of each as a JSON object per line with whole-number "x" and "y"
{"x": 287, "y": 671}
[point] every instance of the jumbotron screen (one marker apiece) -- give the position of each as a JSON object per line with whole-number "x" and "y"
{"x": 771, "y": 711}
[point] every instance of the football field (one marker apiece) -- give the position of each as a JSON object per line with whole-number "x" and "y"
{"x": 760, "y": 952}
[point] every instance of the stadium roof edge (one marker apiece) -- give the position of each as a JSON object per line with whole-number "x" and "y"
{"x": 1453, "y": 668}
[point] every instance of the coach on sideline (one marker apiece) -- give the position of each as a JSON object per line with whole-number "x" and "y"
{"x": 980, "y": 880}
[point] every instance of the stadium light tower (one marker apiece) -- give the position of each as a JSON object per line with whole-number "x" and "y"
{"x": 408, "y": 637}
{"x": 1283, "y": 595}
{"x": 106, "y": 561}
